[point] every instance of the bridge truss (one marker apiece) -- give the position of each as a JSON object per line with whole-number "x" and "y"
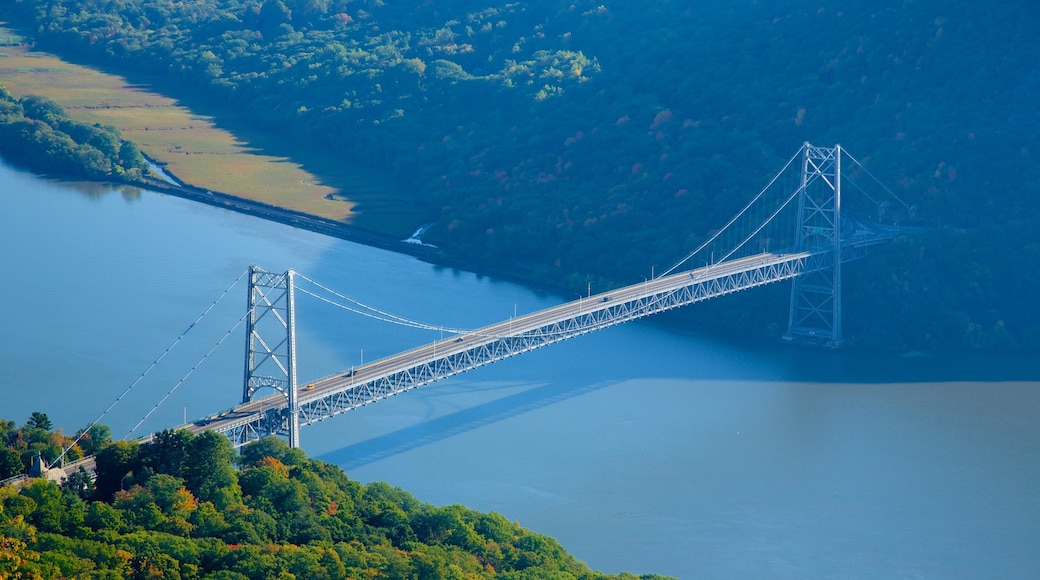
{"x": 808, "y": 245}
{"x": 445, "y": 358}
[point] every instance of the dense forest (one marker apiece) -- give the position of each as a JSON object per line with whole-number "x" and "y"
{"x": 585, "y": 141}
{"x": 36, "y": 133}
{"x": 187, "y": 506}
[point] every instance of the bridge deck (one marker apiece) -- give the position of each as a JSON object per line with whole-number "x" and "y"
{"x": 389, "y": 376}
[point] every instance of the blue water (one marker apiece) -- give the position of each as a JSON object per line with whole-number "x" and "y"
{"x": 641, "y": 448}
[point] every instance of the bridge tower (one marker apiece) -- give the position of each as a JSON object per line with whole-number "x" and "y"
{"x": 815, "y": 314}
{"x": 271, "y": 343}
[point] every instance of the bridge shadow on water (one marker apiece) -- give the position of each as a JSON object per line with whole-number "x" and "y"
{"x": 674, "y": 360}
{"x": 431, "y": 431}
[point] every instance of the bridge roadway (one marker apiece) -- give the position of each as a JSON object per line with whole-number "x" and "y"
{"x": 389, "y": 376}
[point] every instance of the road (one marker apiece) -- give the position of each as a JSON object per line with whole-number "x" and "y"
{"x": 514, "y": 327}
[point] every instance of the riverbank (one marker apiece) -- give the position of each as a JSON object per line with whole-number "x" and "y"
{"x": 427, "y": 253}
{"x": 171, "y": 184}
{"x": 184, "y": 141}
{"x": 291, "y": 217}
{"x": 222, "y": 166}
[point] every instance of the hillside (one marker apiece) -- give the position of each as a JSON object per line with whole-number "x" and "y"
{"x": 189, "y": 507}
{"x": 586, "y": 141}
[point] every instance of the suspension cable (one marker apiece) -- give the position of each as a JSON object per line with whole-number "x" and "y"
{"x": 861, "y": 190}
{"x": 195, "y": 367}
{"x": 380, "y": 315}
{"x": 150, "y": 368}
{"x": 401, "y": 321}
{"x": 363, "y": 305}
{"x": 876, "y": 180}
{"x": 736, "y": 217}
{"x": 789, "y": 199}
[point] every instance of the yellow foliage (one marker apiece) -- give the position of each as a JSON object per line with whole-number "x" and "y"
{"x": 276, "y": 465}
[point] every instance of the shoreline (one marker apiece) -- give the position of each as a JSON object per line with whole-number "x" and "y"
{"x": 430, "y": 254}
{"x": 289, "y": 217}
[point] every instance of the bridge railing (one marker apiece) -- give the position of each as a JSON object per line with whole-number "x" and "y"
{"x": 419, "y": 366}
{"x": 13, "y": 480}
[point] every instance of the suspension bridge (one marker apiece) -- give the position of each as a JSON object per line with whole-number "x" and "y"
{"x": 799, "y": 228}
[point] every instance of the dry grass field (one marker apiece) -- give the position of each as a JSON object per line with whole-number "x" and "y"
{"x": 189, "y": 146}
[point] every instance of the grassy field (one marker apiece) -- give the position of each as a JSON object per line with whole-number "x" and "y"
{"x": 193, "y": 149}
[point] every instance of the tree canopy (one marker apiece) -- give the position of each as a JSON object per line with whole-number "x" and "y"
{"x": 37, "y": 133}
{"x": 187, "y": 506}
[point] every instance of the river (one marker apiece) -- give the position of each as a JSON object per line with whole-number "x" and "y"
{"x": 640, "y": 448}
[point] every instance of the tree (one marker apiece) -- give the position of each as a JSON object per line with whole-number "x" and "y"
{"x": 273, "y": 15}
{"x": 273, "y": 447}
{"x": 170, "y": 452}
{"x": 130, "y": 156}
{"x": 137, "y": 506}
{"x": 50, "y": 514}
{"x": 43, "y": 109}
{"x": 18, "y": 506}
{"x": 37, "y": 133}
{"x": 94, "y": 439}
{"x": 113, "y": 464}
{"x": 208, "y": 522}
{"x": 16, "y": 559}
{"x": 10, "y": 463}
{"x": 106, "y": 141}
{"x": 170, "y": 495}
{"x": 210, "y": 475}
{"x": 78, "y": 483}
{"x": 7, "y": 427}
{"x": 102, "y": 516}
{"x": 40, "y": 421}
{"x": 302, "y": 520}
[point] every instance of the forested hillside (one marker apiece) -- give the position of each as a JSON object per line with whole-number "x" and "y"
{"x": 188, "y": 507}
{"x": 587, "y": 141}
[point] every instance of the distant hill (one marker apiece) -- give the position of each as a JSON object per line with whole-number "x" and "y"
{"x": 586, "y": 140}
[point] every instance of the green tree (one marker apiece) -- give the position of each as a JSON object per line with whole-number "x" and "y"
{"x": 305, "y": 520}
{"x": 55, "y": 512}
{"x": 138, "y": 508}
{"x": 106, "y": 141}
{"x": 170, "y": 452}
{"x": 40, "y": 421}
{"x": 130, "y": 156}
{"x": 96, "y": 437}
{"x": 18, "y": 506}
{"x": 113, "y": 464}
{"x": 43, "y": 109}
{"x": 210, "y": 475}
{"x": 208, "y": 522}
{"x": 10, "y": 463}
{"x": 102, "y": 516}
{"x": 79, "y": 483}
